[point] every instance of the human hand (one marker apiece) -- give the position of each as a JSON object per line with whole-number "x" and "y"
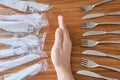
{"x": 61, "y": 52}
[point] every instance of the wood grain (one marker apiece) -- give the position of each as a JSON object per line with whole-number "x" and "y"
{"x": 70, "y": 9}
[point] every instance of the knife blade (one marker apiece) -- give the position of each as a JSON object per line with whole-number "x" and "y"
{"x": 89, "y": 16}
{"x": 90, "y": 33}
{"x": 88, "y": 73}
{"x": 94, "y": 52}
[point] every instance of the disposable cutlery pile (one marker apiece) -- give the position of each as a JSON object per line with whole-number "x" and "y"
{"x": 26, "y": 43}
{"x": 92, "y": 43}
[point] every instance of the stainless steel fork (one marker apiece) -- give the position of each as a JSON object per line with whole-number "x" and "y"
{"x": 94, "y": 24}
{"x": 90, "y": 7}
{"x": 91, "y": 64}
{"x": 92, "y": 43}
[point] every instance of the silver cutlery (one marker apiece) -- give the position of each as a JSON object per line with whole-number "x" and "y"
{"x": 91, "y": 7}
{"x": 89, "y": 16}
{"x": 98, "y": 53}
{"x": 93, "y": 74}
{"x": 92, "y": 33}
{"x": 92, "y": 43}
{"x": 91, "y": 64}
{"x": 94, "y": 24}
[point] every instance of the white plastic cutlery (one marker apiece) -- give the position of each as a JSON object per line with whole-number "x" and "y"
{"x": 31, "y": 70}
{"x": 89, "y": 16}
{"x": 98, "y": 53}
{"x": 91, "y": 64}
{"x": 93, "y": 74}
{"x": 92, "y": 33}
{"x": 13, "y": 52}
{"x": 11, "y": 63}
{"x": 92, "y": 43}
{"x": 94, "y": 24}
{"x": 23, "y": 5}
{"x": 30, "y": 40}
{"x": 91, "y": 7}
{"x": 21, "y": 17}
{"x": 17, "y": 26}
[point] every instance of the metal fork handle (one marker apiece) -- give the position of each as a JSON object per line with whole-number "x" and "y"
{"x": 112, "y": 68}
{"x": 113, "y": 22}
{"x": 114, "y": 41}
{"x": 104, "y": 1}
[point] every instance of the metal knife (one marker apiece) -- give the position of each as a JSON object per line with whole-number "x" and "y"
{"x": 93, "y": 74}
{"x": 89, "y": 16}
{"x": 98, "y": 53}
{"x": 91, "y": 33}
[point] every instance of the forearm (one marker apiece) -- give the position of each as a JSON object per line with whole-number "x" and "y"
{"x": 64, "y": 74}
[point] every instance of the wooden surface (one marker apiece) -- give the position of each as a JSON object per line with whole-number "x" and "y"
{"x": 70, "y": 9}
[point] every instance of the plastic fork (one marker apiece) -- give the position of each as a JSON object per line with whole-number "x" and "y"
{"x": 91, "y": 64}
{"x": 90, "y": 7}
{"x": 92, "y": 43}
{"x": 94, "y": 24}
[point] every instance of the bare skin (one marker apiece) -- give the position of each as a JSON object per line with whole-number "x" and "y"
{"x": 61, "y": 52}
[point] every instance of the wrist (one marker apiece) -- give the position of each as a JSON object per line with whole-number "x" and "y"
{"x": 64, "y": 73}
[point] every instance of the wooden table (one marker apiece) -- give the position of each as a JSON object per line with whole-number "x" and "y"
{"x": 70, "y": 9}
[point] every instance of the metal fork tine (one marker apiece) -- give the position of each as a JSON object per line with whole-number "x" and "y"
{"x": 84, "y": 42}
{"x": 85, "y": 59}
{"x": 82, "y": 9}
{"x": 84, "y": 62}
{"x": 84, "y": 25}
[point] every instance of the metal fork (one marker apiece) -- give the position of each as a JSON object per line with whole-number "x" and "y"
{"x": 92, "y": 43}
{"x": 91, "y": 64}
{"x": 90, "y": 7}
{"x": 94, "y": 24}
